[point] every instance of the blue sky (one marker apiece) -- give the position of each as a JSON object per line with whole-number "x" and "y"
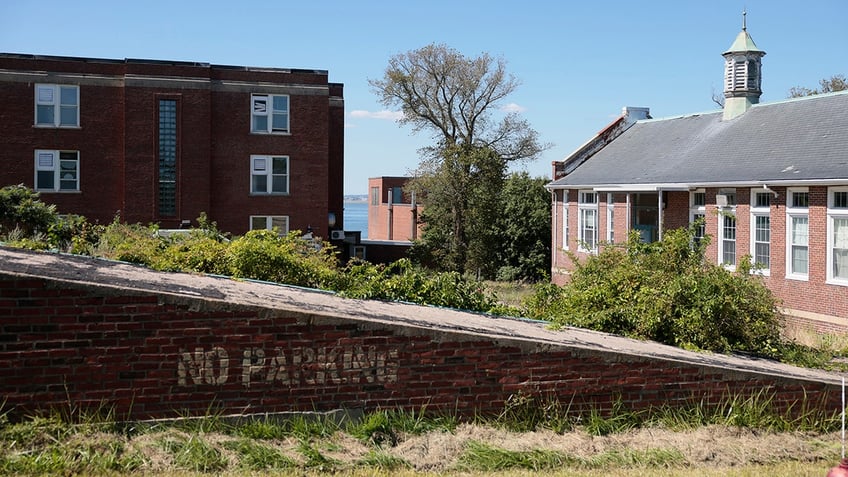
{"x": 579, "y": 63}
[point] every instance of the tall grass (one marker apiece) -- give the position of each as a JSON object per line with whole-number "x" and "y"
{"x": 53, "y": 444}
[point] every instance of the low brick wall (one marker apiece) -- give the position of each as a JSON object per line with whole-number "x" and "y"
{"x": 83, "y": 333}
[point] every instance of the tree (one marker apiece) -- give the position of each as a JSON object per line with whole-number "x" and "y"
{"x": 826, "y": 85}
{"x": 524, "y": 229}
{"x": 456, "y": 98}
{"x": 461, "y": 191}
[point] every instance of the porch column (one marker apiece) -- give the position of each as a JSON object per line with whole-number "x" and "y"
{"x": 659, "y": 214}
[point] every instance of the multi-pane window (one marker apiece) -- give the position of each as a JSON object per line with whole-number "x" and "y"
{"x": 837, "y": 216}
{"x": 269, "y": 113}
{"x": 375, "y": 196}
{"x": 798, "y": 240}
{"x": 56, "y": 105}
{"x": 167, "y": 157}
{"x": 56, "y": 171}
{"x": 726, "y": 199}
{"x": 269, "y": 174}
{"x": 761, "y": 226}
{"x": 610, "y": 218}
{"x": 697, "y": 211}
{"x": 587, "y": 223}
{"x": 728, "y": 239}
{"x": 279, "y": 223}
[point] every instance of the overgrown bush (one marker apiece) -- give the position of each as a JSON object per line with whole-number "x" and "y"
{"x": 134, "y": 243}
{"x": 665, "y": 291}
{"x": 21, "y": 208}
{"x": 265, "y": 255}
{"x": 401, "y": 281}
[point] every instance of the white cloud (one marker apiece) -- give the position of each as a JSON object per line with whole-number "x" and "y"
{"x": 390, "y": 115}
{"x": 513, "y": 108}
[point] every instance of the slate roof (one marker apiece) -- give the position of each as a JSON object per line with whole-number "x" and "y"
{"x": 796, "y": 140}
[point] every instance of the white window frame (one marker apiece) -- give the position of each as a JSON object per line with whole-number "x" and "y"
{"x": 724, "y": 214}
{"x": 565, "y": 220}
{"x": 610, "y": 217}
{"x": 697, "y": 211}
{"x": 269, "y": 223}
{"x": 584, "y": 208}
{"x": 760, "y": 211}
{"x": 793, "y": 212}
{"x": 50, "y": 96}
{"x": 47, "y": 161}
{"x": 834, "y": 213}
{"x": 263, "y": 166}
{"x": 267, "y": 111}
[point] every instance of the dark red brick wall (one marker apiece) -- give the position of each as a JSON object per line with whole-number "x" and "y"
{"x": 162, "y": 355}
{"x": 117, "y": 139}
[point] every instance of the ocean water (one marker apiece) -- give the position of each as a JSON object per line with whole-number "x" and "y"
{"x": 356, "y": 217}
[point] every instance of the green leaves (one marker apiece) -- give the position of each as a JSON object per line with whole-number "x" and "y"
{"x": 668, "y": 292}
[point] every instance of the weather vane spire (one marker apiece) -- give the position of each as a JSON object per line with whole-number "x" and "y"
{"x": 744, "y": 23}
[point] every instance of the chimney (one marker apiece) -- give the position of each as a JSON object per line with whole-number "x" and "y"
{"x": 632, "y": 114}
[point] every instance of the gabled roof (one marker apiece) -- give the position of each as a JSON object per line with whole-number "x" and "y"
{"x": 796, "y": 140}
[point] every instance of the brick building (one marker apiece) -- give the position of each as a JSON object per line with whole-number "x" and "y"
{"x": 770, "y": 181}
{"x": 163, "y": 141}
{"x": 392, "y": 213}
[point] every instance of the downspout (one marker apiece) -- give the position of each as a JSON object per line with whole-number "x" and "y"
{"x": 391, "y": 217}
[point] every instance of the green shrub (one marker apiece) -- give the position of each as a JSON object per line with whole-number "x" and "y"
{"x": 20, "y": 207}
{"x": 134, "y": 243}
{"x": 265, "y": 255}
{"x": 401, "y": 281}
{"x": 668, "y": 292}
{"x": 195, "y": 251}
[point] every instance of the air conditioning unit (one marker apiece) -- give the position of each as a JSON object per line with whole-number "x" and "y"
{"x": 721, "y": 200}
{"x": 337, "y": 235}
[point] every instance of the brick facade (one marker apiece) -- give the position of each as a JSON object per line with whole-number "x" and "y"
{"x": 814, "y": 302}
{"x": 87, "y": 333}
{"x": 117, "y": 139}
{"x": 388, "y": 217}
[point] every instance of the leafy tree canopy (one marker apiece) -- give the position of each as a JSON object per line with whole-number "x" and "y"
{"x": 827, "y": 85}
{"x": 454, "y": 97}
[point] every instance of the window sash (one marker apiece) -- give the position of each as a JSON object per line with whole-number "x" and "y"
{"x": 269, "y": 222}
{"x": 728, "y": 241}
{"x": 269, "y": 113}
{"x": 839, "y": 248}
{"x": 588, "y": 228}
{"x": 57, "y": 171}
{"x": 269, "y": 175}
{"x": 56, "y": 105}
{"x": 762, "y": 241}
{"x": 799, "y": 245}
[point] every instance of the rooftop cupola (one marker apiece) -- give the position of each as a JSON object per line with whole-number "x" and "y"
{"x": 742, "y": 74}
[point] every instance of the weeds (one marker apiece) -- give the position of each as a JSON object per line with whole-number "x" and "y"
{"x": 379, "y": 459}
{"x": 254, "y": 456}
{"x": 194, "y": 453}
{"x": 95, "y": 445}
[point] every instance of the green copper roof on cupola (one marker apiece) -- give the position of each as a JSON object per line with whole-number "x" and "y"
{"x": 743, "y": 41}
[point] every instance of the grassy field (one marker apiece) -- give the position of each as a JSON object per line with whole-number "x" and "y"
{"x": 531, "y": 437}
